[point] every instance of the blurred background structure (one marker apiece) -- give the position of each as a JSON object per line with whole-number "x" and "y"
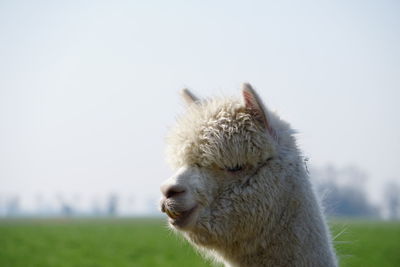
{"x": 88, "y": 90}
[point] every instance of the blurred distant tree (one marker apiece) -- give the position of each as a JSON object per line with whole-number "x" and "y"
{"x": 392, "y": 200}
{"x": 342, "y": 191}
{"x": 12, "y": 206}
{"x": 66, "y": 208}
{"x": 112, "y": 205}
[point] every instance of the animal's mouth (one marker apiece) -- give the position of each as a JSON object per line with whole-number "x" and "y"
{"x": 180, "y": 219}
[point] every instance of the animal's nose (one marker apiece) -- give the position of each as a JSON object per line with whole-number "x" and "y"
{"x": 173, "y": 190}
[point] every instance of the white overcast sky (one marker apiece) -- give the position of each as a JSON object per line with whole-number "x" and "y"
{"x": 88, "y": 89}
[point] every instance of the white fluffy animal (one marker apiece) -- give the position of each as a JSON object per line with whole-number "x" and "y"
{"x": 241, "y": 192}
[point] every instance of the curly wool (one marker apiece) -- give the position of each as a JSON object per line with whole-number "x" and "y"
{"x": 267, "y": 213}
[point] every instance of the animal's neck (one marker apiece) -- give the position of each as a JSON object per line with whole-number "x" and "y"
{"x": 300, "y": 238}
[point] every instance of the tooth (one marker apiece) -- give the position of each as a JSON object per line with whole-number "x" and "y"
{"x": 170, "y": 213}
{"x": 174, "y": 214}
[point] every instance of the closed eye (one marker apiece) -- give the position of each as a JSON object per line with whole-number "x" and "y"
{"x": 236, "y": 168}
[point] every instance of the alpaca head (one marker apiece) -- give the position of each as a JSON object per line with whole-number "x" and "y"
{"x": 227, "y": 154}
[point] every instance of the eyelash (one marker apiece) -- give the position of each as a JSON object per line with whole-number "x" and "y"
{"x": 236, "y": 168}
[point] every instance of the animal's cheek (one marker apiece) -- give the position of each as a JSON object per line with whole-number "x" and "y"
{"x": 206, "y": 196}
{"x": 208, "y": 184}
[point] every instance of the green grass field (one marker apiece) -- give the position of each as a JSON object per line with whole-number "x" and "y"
{"x": 147, "y": 242}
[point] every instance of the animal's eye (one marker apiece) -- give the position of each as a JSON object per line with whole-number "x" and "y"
{"x": 235, "y": 168}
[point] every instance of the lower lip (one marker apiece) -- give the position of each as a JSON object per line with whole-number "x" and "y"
{"x": 184, "y": 219}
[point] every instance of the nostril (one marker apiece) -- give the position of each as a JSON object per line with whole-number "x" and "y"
{"x": 172, "y": 190}
{"x": 162, "y": 207}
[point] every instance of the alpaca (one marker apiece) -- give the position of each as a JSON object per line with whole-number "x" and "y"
{"x": 241, "y": 192}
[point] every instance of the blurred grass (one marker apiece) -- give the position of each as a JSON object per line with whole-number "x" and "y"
{"x": 90, "y": 242}
{"x": 148, "y": 242}
{"x": 367, "y": 243}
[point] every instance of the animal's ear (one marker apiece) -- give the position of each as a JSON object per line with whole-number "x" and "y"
{"x": 188, "y": 96}
{"x": 253, "y": 102}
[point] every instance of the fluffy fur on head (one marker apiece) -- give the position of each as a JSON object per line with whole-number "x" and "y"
{"x": 240, "y": 190}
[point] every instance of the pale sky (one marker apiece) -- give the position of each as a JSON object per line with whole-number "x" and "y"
{"x": 88, "y": 89}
